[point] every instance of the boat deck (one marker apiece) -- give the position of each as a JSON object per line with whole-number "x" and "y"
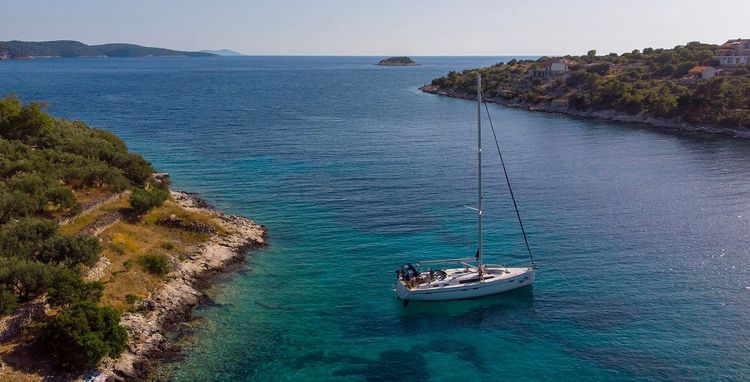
{"x": 460, "y": 277}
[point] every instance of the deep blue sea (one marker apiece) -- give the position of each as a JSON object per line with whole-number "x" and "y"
{"x": 642, "y": 235}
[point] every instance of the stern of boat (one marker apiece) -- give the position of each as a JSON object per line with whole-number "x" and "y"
{"x": 402, "y": 292}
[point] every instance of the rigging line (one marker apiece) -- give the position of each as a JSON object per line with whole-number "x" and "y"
{"x": 507, "y": 180}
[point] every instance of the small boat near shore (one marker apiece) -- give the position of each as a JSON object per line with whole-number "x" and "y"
{"x": 472, "y": 278}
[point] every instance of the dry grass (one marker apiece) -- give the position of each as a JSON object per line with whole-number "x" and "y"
{"x": 11, "y": 374}
{"x": 125, "y": 282}
{"x": 124, "y": 243}
{"x": 21, "y": 361}
{"x": 171, "y": 208}
{"x": 86, "y": 195}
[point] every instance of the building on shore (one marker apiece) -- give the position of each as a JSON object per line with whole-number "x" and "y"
{"x": 733, "y": 53}
{"x": 552, "y": 67}
{"x": 703, "y": 72}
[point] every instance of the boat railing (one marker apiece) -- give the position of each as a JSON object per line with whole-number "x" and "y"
{"x": 463, "y": 261}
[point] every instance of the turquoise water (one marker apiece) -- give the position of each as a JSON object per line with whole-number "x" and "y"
{"x": 641, "y": 234}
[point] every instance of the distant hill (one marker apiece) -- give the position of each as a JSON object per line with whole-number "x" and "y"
{"x": 10, "y": 50}
{"x": 223, "y": 52}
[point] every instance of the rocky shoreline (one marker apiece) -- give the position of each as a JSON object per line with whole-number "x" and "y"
{"x": 175, "y": 301}
{"x": 561, "y": 107}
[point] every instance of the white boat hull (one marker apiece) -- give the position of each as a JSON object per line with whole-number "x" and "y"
{"x": 461, "y": 284}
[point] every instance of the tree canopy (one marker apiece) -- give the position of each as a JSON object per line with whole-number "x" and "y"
{"x": 80, "y": 336}
{"x": 45, "y": 162}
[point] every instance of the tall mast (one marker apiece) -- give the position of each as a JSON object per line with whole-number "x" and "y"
{"x": 479, "y": 168}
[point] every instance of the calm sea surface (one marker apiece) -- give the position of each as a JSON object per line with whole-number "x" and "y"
{"x": 642, "y": 236}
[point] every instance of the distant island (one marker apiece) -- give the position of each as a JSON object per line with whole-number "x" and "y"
{"x": 692, "y": 87}
{"x": 397, "y": 61}
{"x": 15, "y": 50}
{"x": 223, "y": 52}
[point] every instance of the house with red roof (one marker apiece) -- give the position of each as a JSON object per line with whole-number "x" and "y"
{"x": 703, "y": 72}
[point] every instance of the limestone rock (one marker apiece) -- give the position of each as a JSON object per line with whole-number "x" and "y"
{"x": 175, "y": 300}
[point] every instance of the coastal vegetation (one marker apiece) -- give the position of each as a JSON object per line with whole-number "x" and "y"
{"x": 88, "y": 235}
{"x": 652, "y": 83}
{"x": 64, "y": 48}
{"x": 155, "y": 264}
{"x": 47, "y": 167}
{"x": 144, "y": 200}
{"x": 82, "y": 335}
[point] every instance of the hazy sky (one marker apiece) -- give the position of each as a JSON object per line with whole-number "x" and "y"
{"x": 381, "y": 27}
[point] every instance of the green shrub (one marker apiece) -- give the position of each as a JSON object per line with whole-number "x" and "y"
{"x": 23, "y": 122}
{"x": 600, "y": 68}
{"x": 118, "y": 248}
{"x": 25, "y": 279}
{"x": 26, "y": 237}
{"x": 71, "y": 251}
{"x": 576, "y": 67}
{"x": 15, "y": 204}
{"x": 8, "y": 302}
{"x": 683, "y": 68}
{"x": 576, "y": 79}
{"x": 68, "y": 289}
{"x": 666, "y": 69}
{"x": 578, "y": 102}
{"x": 143, "y": 201}
{"x": 100, "y": 173}
{"x": 135, "y": 168}
{"x": 131, "y": 299}
{"x": 81, "y": 335}
{"x": 168, "y": 245}
{"x": 156, "y": 264}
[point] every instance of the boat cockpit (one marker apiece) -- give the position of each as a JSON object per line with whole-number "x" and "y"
{"x": 412, "y": 277}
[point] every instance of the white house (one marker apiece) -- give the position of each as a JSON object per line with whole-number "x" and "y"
{"x": 556, "y": 65}
{"x": 734, "y": 53}
{"x": 551, "y": 67}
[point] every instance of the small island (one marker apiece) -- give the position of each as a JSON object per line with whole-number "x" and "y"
{"x": 694, "y": 86}
{"x": 397, "y": 61}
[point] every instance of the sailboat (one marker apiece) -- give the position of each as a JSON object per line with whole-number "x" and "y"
{"x": 471, "y": 277}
